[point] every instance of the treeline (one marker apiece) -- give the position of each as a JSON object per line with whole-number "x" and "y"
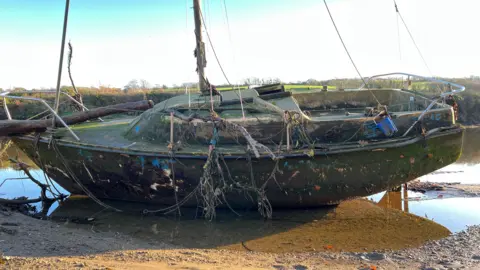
{"x": 134, "y": 90}
{"x": 136, "y": 85}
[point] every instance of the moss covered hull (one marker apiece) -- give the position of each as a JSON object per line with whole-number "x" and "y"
{"x": 328, "y": 177}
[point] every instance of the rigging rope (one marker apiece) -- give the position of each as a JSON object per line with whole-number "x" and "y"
{"x": 228, "y": 21}
{"x": 213, "y": 48}
{"x": 411, "y": 36}
{"x": 234, "y": 58}
{"x": 398, "y": 33}
{"x": 346, "y": 50}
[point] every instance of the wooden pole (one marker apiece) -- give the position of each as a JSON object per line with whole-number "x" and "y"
{"x": 200, "y": 47}
{"x": 405, "y": 197}
{"x": 60, "y": 64}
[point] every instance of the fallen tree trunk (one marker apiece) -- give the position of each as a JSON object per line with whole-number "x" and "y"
{"x": 26, "y": 201}
{"x": 12, "y": 127}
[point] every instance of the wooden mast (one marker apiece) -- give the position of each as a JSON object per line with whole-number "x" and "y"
{"x": 62, "y": 48}
{"x": 200, "y": 47}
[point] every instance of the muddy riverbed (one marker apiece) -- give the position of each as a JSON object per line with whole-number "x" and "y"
{"x": 390, "y": 230}
{"x": 41, "y": 244}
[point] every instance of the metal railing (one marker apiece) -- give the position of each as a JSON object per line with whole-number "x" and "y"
{"x": 49, "y": 108}
{"x": 459, "y": 88}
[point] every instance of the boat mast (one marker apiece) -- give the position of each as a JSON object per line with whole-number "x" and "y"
{"x": 62, "y": 48}
{"x": 200, "y": 48}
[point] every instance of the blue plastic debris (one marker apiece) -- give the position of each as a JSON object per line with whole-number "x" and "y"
{"x": 387, "y": 126}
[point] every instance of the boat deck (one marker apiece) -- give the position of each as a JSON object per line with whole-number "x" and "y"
{"x": 109, "y": 136}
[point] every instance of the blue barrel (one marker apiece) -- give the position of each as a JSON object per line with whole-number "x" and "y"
{"x": 387, "y": 126}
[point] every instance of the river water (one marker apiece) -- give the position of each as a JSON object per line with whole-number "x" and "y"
{"x": 455, "y": 212}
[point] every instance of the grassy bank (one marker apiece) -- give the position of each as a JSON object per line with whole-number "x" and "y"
{"x": 469, "y": 101}
{"x": 91, "y": 99}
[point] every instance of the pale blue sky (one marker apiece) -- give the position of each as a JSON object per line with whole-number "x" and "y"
{"x": 117, "y": 40}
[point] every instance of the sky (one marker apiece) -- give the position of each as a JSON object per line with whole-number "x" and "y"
{"x": 115, "y": 41}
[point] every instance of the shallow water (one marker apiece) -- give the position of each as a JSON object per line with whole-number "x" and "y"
{"x": 12, "y": 187}
{"x": 453, "y": 213}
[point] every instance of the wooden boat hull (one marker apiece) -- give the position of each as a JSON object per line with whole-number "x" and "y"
{"x": 328, "y": 177}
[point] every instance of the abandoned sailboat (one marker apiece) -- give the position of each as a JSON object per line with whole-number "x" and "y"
{"x": 264, "y": 147}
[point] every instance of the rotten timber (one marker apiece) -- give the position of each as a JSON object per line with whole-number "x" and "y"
{"x": 11, "y": 127}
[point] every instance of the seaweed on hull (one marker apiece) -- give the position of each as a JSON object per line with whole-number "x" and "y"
{"x": 197, "y": 157}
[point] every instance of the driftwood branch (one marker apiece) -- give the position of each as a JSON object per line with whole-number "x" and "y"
{"x": 77, "y": 96}
{"x": 26, "y": 201}
{"x": 12, "y": 127}
{"x": 46, "y": 201}
{"x": 24, "y": 168}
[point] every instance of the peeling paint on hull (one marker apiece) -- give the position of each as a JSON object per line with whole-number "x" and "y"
{"x": 326, "y": 178}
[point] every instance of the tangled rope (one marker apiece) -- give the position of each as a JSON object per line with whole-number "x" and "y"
{"x": 300, "y": 137}
{"x": 216, "y": 180}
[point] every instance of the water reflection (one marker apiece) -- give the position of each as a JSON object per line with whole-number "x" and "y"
{"x": 395, "y": 199}
{"x": 453, "y": 213}
{"x": 471, "y": 147}
{"x": 12, "y": 181}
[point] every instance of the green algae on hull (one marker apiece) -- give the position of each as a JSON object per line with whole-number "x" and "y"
{"x": 141, "y": 173}
{"x": 336, "y": 152}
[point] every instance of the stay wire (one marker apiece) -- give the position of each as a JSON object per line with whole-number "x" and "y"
{"x": 213, "y": 49}
{"x": 398, "y": 33}
{"x": 227, "y": 20}
{"x": 348, "y": 53}
{"x": 411, "y": 37}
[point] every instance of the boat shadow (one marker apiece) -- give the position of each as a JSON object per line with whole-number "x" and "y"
{"x": 81, "y": 227}
{"x": 190, "y": 230}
